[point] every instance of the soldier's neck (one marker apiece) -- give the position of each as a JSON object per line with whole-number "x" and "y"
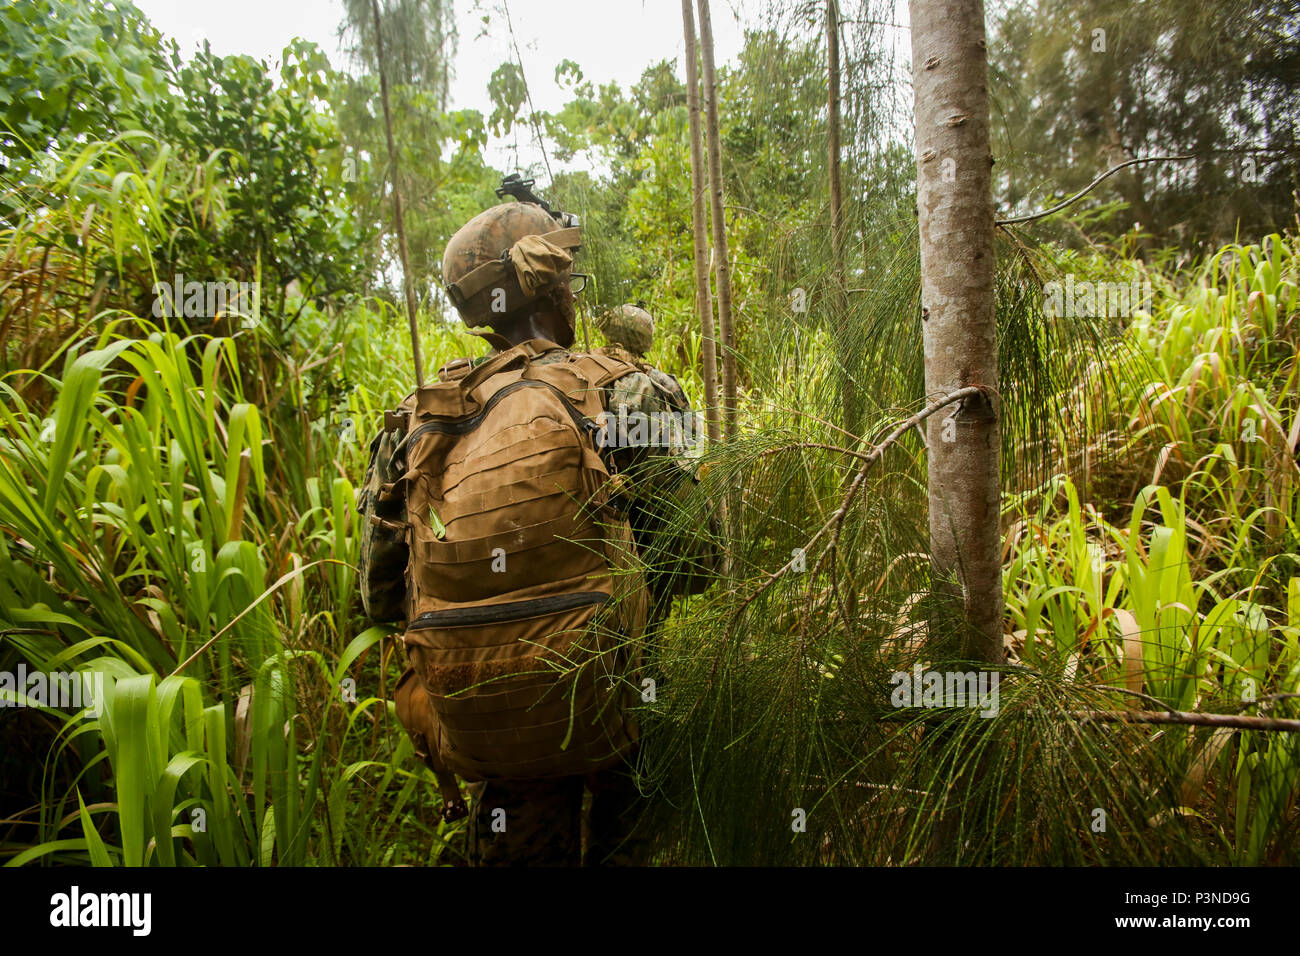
{"x": 539, "y": 325}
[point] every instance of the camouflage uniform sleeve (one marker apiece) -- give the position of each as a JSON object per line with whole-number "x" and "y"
{"x": 653, "y": 437}
{"x": 384, "y": 549}
{"x": 639, "y": 405}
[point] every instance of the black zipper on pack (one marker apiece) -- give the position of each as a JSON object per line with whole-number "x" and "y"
{"x": 463, "y": 425}
{"x": 510, "y": 611}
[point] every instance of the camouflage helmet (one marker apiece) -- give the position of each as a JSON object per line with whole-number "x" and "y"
{"x": 629, "y": 327}
{"x": 505, "y": 258}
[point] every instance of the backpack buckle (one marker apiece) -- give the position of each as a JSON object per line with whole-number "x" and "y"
{"x": 453, "y": 810}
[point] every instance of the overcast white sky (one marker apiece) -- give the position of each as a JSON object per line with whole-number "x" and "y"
{"x": 610, "y": 40}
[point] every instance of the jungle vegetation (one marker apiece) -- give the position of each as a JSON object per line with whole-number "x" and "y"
{"x": 177, "y": 490}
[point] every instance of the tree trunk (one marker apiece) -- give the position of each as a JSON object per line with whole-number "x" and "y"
{"x": 954, "y": 203}
{"x": 408, "y": 282}
{"x": 833, "y": 136}
{"x": 699, "y": 219}
{"x": 832, "y": 56}
{"x": 721, "y": 261}
{"x": 839, "y": 299}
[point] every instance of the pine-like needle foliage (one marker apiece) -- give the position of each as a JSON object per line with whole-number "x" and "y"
{"x": 776, "y": 735}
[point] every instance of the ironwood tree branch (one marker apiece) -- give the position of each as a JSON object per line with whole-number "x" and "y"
{"x": 1088, "y": 188}
{"x": 1235, "y": 721}
{"x": 837, "y": 517}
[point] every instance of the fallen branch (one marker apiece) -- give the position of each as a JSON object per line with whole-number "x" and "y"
{"x": 1267, "y": 701}
{"x": 1234, "y": 721}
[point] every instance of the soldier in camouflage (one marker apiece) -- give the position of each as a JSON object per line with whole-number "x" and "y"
{"x": 629, "y": 327}
{"x": 632, "y": 329}
{"x": 629, "y": 330}
{"x": 546, "y": 825}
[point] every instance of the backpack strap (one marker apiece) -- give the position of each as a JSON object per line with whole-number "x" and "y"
{"x": 453, "y": 805}
{"x": 456, "y": 370}
{"x": 523, "y": 353}
{"x": 601, "y": 370}
{"x": 501, "y": 362}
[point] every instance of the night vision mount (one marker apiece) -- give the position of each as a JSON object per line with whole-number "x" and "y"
{"x": 522, "y": 189}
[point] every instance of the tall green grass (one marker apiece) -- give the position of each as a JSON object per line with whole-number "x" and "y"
{"x": 193, "y": 539}
{"x": 176, "y": 514}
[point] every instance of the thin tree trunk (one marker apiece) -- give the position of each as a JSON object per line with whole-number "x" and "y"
{"x": 833, "y": 112}
{"x": 839, "y": 299}
{"x": 954, "y": 203}
{"x": 721, "y": 261}
{"x": 699, "y": 219}
{"x": 408, "y": 282}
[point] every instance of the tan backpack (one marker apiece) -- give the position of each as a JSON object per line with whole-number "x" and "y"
{"x": 525, "y": 600}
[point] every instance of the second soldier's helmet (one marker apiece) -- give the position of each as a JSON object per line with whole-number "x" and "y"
{"x": 506, "y": 258}
{"x": 629, "y": 327}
